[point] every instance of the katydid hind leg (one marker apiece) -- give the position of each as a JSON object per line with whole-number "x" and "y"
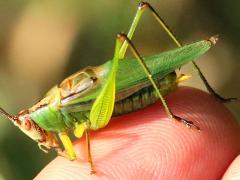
{"x": 141, "y": 8}
{"x": 210, "y": 89}
{"x": 170, "y": 114}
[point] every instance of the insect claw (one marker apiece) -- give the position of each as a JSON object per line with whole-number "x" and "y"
{"x": 92, "y": 171}
{"x": 224, "y": 100}
{"x": 42, "y": 148}
{"x": 188, "y": 124}
{"x": 228, "y": 100}
{"x": 61, "y": 153}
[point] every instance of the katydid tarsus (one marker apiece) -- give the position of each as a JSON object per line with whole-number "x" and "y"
{"x": 89, "y": 98}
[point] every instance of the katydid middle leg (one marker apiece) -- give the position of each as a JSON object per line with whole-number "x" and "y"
{"x": 170, "y": 114}
{"x": 78, "y": 132}
{"x": 87, "y": 134}
{"x": 103, "y": 105}
{"x": 141, "y": 8}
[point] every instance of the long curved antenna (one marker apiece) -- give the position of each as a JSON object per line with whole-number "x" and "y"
{"x": 9, "y": 116}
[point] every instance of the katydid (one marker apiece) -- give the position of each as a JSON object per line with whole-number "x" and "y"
{"x": 89, "y": 98}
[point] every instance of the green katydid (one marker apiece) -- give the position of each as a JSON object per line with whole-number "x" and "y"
{"x": 87, "y": 99}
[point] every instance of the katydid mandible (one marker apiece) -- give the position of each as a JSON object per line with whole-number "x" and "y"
{"x": 89, "y": 98}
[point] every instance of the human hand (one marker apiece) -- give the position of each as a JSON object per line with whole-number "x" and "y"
{"x": 147, "y": 145}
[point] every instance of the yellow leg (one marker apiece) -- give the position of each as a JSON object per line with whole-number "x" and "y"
{"x": 79, "y": 129}
{"x": 71, "y": 155}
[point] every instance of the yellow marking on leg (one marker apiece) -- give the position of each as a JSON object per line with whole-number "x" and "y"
{"x": 182, "y": 78}
{"x": 67, "y": 145}
{"x": 79, "y": 129}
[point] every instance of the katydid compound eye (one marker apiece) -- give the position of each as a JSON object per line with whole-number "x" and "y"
{"x": 27, "y": 125}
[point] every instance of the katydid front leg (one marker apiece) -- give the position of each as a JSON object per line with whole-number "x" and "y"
{"x": 141, "y": 8}
{"x": 71, "y": 155}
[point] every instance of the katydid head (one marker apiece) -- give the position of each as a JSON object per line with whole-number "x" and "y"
{"x": 25, "y": 123}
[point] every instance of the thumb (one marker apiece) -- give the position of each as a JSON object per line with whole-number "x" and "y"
{"x": 233, "y": 172}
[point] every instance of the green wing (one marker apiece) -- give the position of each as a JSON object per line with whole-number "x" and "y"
{"x": 130, "y": 74}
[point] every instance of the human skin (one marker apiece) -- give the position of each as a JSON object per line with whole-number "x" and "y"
{"x": 148, "y": 145}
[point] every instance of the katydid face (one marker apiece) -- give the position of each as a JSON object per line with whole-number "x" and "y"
{"x": 44, "y": 139}
{"x": 31, "y": 129}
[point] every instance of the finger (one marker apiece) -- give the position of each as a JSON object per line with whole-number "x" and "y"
{"x": 233, "y": 172}
{"x": 147, "y": 145}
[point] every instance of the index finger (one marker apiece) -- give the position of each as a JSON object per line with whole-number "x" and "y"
{"x": 147, "y": 145}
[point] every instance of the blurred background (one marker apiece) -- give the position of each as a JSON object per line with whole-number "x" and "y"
{"x": 41, "y": 42}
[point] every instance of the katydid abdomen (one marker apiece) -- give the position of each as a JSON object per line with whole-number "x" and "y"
{"x": 145, "y": 96}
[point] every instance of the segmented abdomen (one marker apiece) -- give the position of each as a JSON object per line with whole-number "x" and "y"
{"x": 145, "y": 96}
